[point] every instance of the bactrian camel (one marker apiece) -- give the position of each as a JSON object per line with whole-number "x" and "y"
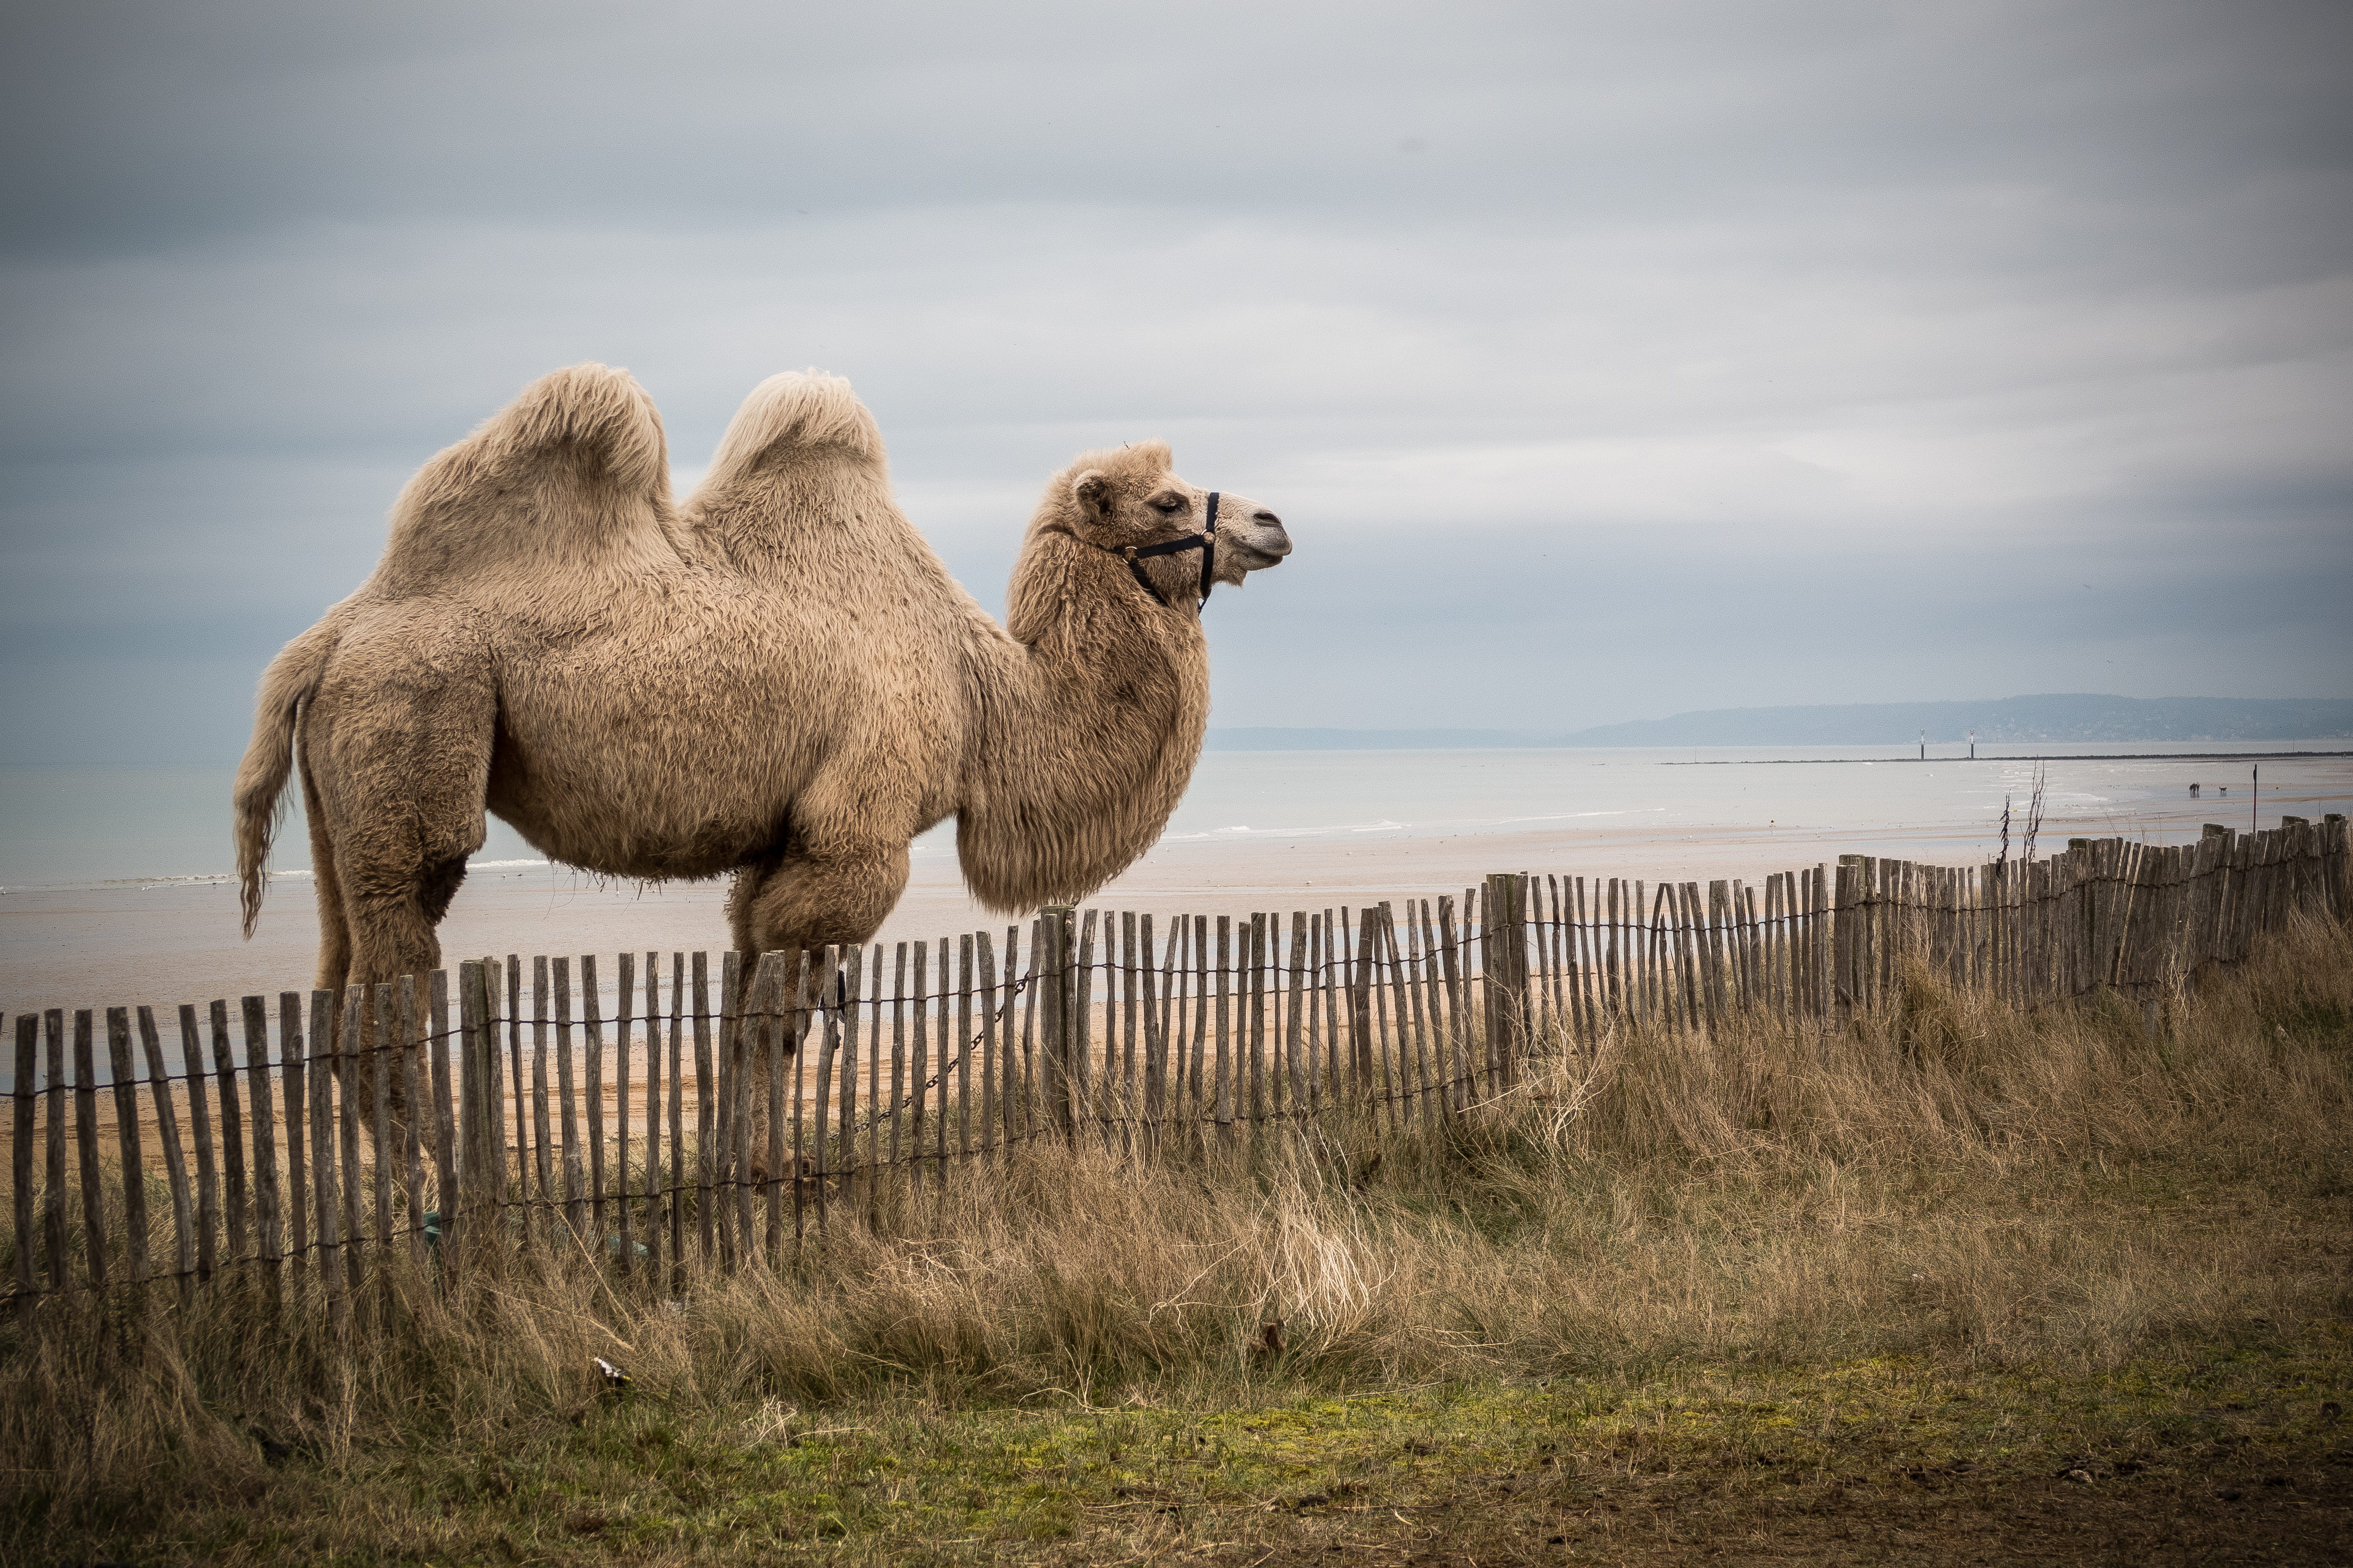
{"x": 778, "y": 678}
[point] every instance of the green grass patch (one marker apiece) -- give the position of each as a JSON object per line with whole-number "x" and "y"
{"x": 1702, "y": 1453}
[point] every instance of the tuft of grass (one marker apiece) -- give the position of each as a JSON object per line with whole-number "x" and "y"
{"x": 1709, "y": 1282}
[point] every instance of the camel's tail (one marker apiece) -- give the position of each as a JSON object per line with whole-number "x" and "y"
{"x": 795, "y": 411}
{"x": 269, "y": 758}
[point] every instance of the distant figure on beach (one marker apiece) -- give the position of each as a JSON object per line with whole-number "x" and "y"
{"x": 2193, "y": 791}
{"x": 776, "y": 678}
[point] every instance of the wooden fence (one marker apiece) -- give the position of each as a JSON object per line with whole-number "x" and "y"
{"x": 694, "y": 1116}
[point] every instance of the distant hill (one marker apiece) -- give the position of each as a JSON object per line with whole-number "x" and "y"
{"x": 2048, "y": 718}
{"x": 2071, "y": 716}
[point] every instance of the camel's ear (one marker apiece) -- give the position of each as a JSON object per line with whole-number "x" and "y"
{"x": 1092, "y": 490}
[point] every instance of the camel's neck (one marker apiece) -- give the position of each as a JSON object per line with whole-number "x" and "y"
{"x": 1090, "y": 720}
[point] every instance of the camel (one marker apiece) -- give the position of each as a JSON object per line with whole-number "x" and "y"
{"x": 776, "y": 678}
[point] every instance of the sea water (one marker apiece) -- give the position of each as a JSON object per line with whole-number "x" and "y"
{"x": 84, "y": 826}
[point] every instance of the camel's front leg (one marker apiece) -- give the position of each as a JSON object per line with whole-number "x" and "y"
{"x": 804, "y": 901}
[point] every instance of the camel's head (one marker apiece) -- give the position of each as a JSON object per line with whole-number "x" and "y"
{"x": 1133, "y": 499}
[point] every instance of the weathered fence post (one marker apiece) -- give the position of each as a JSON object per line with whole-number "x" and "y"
{"x": 1360, "y": 1006}
{"x": 256, "y": 1013}
{"x": 592, "y": 1018}
{"x": 1506, "y": 955}
{"x": 1054, "y": 1006}
{"x": 294, "y": 1087}
{"x": 325, "y": 1185}
{"x": 232, "y": 1131}
{"x": 735, "y": 1131}
{"x": 1846, "y": 932}
{"x": 479, "y": 1155}
{"x": 1077, "y": 1049}
{"x": 2335, "y": 865}
{"x": 408, "y": 1173}
{"x": 20, "y": 1162}
{"x": 1221, "y": 1089}
{"x": 830, "y": 991}
{"x": 126, "y": 1123}
{"x": 94, "y": 1198}
{"x": 53, "y": 1192}
{"x": 444, "y": 1153}
{"x": 168, "y": 1132}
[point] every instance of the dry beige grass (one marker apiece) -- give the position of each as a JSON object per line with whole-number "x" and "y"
{"x": 1946, "y": 1182}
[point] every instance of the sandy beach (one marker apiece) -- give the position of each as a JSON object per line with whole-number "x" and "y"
{"x": 171, "y": 943}
{"x": 165, "y": 944}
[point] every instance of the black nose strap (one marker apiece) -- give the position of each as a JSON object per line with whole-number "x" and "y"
{"x": 1209, "y": 549}
{"x": 1206, "y": 542}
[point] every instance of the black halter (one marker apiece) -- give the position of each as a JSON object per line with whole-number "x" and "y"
{"x": 1206, "y": 542}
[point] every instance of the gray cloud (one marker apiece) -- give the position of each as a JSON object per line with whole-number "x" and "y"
{"x": 1643, "y": 358}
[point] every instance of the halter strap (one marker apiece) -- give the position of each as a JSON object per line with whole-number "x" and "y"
{"x": 1206, "y": 542}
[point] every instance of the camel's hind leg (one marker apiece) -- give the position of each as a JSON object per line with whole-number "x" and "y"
{"x": 334, "y": 930}
{"x": 396, "y": 806}
{"x": 391, "y": 917}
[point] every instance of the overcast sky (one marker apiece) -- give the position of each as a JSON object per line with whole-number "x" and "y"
{"x": 1605, "y": 361}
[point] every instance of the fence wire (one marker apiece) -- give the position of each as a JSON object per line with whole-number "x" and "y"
{"x": 505, "y": 1098}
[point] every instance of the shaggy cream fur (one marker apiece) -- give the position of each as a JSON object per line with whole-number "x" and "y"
{"x": 776, "y": 678}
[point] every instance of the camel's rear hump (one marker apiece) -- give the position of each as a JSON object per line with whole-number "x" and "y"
{"x": 573, "y": 472}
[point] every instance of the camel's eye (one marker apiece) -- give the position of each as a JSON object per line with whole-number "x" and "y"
{"x": 1168, "y": 505}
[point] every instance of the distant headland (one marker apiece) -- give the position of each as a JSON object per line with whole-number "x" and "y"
{"x": 2057, "y": 718}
